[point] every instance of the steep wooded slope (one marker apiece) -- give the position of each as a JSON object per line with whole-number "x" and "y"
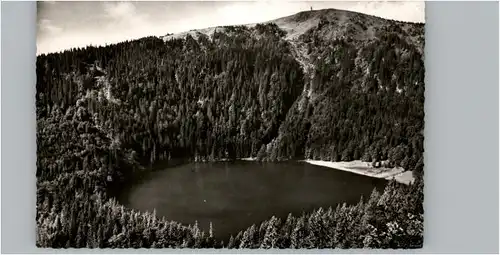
{"x": 363, "y": 88}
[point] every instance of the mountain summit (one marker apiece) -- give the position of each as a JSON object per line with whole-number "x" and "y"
{"x": 335, "y": 24}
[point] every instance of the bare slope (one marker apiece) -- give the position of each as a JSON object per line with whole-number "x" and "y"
{"x": 308, "y": 28}
{"x": 347, "y": 24}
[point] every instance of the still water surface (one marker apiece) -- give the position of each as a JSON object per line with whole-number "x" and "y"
{"x": 235, "y": 195}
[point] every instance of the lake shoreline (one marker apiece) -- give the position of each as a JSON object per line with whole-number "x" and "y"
{"x": 236, "y": 193}
{"x": 365, "y": 168}
{"x": 356, "y": 167}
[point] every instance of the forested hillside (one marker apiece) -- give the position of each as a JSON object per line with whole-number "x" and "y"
{"x": 349, "y": 86}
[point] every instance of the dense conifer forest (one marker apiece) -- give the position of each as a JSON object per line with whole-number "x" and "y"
{"x": 350, "y": 87}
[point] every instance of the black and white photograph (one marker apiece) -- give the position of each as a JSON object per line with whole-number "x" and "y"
{"x": 230, "y": 124}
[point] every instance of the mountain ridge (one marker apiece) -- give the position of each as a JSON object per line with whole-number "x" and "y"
{"x": 298, "y": 23}
{"x": 350, "y": 24}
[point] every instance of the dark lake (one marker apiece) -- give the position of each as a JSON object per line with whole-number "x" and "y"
{"x": 235, "y": 195}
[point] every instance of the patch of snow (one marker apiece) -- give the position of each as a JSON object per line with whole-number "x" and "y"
{"x": 295, "y": 29}
{"x": 194, "y": 33}
{"x": 365, "y": 168}
{"x": 405, "y": 177}
{"x": 248, "y": 159}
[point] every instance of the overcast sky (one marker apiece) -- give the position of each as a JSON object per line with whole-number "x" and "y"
{"x": 63, "y": 25}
